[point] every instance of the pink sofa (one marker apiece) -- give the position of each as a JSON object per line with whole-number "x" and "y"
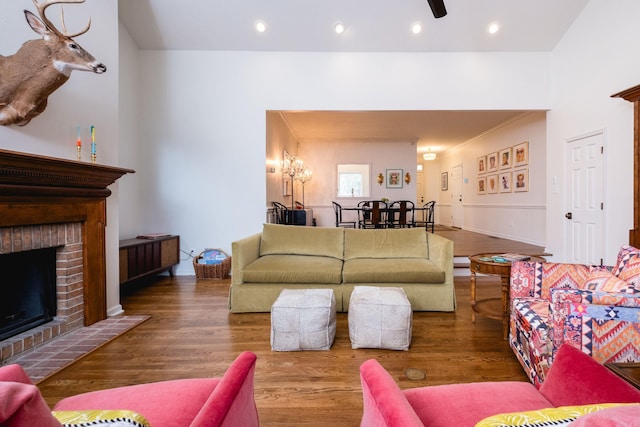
{"x": 574, "y": 379}
{"x": 201, "y": 402}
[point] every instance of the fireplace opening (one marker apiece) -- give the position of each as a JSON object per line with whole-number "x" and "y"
{"x": 27, "y": 290}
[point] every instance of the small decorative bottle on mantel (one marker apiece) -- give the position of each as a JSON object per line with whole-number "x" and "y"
{"x": 93, "y": 144}
{"x": 79, "y": 144}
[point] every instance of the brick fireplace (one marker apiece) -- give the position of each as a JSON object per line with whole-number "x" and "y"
{"x": 50, "y": 202}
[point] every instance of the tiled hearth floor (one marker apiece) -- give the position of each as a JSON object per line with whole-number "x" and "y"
{"x": 50, "y": 357}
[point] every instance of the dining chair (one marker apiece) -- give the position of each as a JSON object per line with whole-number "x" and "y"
{"x": 337, "y": 208}
{"x": 281, "y": 212}
{"x": 372, "y": 214}
{"x": 427, "y": 219}
{"x": 401, "y": 214}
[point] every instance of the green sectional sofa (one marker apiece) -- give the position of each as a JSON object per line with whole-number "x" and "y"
{"x": 289, "y": 257}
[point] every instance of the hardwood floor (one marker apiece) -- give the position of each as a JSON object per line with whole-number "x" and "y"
{"x": 192, "y": 334}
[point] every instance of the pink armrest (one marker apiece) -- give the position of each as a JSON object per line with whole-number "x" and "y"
{"x": 232, "y": 402}
{"x": 384, "y": 403}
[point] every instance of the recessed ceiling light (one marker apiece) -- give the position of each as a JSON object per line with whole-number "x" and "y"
{"x": 339, "y": 27}
{"x": 416, "y": 28}
{"x": 493, "y": 28}
{"x": 261, "y": 27}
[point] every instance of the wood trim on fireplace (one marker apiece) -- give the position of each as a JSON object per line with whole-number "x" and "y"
{"x": 46, "y": 190}
{"x": 633, "y": 95}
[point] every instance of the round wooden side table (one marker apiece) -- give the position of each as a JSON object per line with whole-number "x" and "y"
{"x": 493, "y": 308}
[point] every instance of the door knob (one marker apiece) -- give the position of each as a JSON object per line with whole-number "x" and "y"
{"x": 568, "y": 215}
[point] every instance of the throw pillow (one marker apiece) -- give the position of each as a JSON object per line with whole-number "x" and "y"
{"x": 604, "y": 281}
{"x": 561, "y": 416}
{"x": 110, "y": 418}
{"x": 617, "y": 416}
{"x": 630, "y": 273}
{"x": 625, "y": 254}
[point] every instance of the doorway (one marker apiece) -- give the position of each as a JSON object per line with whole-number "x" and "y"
{"x": 455, "y": 186}
{"x": 584, "y": 199}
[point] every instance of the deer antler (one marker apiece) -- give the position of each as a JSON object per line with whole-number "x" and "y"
{"x": 43, "y": 5}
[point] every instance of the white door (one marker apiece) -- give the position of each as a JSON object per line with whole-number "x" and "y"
{"x": 584, "y": 200}
{"x": 455, "y": 187}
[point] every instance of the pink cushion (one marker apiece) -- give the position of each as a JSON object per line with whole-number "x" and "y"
{"x": 178, "y": 401}
{"x": 620, "y": 416}
{"x": 466, "y": 404}
{"x": 577, "y": 379}
{"x": 22, "y": 405}
{"x": 188, "y": 402}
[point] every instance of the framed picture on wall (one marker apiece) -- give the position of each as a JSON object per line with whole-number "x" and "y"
{"x": 482, "y": 185}
{"x": 521, "y": 180}
{"x": 504, "y": 182}
{"x": 492, "y": 184}
{"x": 444, "y": 181}
{"x": 505, "y": 158}
{"x": 492, "y": 162}
{"x": 521, "y": 154}
{"x": 394, "y": 178}
{"x": 482, "y": 165}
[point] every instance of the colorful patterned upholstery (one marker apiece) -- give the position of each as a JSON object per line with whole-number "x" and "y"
{"x": 586, "y": 306}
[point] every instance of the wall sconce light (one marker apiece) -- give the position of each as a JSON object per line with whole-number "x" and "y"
{"x": 429, "y": 155}
{"x": 380, "y": 178}
{"x": 407, "y": 178}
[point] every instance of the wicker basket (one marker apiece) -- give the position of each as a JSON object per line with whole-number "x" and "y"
{"x": 212, "y": 271}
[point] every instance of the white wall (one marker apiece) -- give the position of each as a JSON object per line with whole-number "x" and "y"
{"x": 86, "y": 99}
{"x": 517, "y": 216}
{"x": 323, "y": 158}
{"x": 597, "y": 58}
{"x": 203, "y": 120}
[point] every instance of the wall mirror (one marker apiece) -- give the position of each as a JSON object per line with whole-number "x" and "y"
{"x": 353, "y": 180}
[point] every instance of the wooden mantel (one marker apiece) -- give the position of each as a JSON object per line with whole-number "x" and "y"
{"x": 633, "y": 95}
{"x": 47, "y": 190}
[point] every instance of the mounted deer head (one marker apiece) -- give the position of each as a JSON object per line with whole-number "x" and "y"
{"x": 41, "y": 66}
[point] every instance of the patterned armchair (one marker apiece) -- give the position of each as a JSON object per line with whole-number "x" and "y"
{"x": 595, "y": 309}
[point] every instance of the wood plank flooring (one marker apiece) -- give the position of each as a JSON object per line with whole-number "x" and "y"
{"x": 192, "y": 334}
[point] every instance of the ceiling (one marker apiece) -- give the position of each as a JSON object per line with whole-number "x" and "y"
{"x": 436, "y": 130}
{"x": 371, "y": 26}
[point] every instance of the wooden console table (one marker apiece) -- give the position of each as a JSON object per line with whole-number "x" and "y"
{"x": 145, "y": 257}
{"x": 493, "y": 308}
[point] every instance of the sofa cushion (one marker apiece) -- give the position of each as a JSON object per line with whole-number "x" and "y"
{"x": 293, "y": 269}
{"x": 562, "y": 416}
{"x": 605, "y": 281}
{"x": 577, "y": 379}
{"x": 385, "y": 243}
{"x": 150, "y": 400}
{"x": 394, "y": 270}
{"x": 280, "y": 239}
{"x": 466, "y": 404}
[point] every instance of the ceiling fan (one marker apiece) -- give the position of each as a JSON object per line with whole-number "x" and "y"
{"x": 437, "y": 7}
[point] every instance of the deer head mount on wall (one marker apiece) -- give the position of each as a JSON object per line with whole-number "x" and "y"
{"x": 41, "y": 66}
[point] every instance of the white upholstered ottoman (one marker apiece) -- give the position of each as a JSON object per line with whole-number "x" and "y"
{"x": 303, "y": 319}
{"x": 380, "y": 318}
